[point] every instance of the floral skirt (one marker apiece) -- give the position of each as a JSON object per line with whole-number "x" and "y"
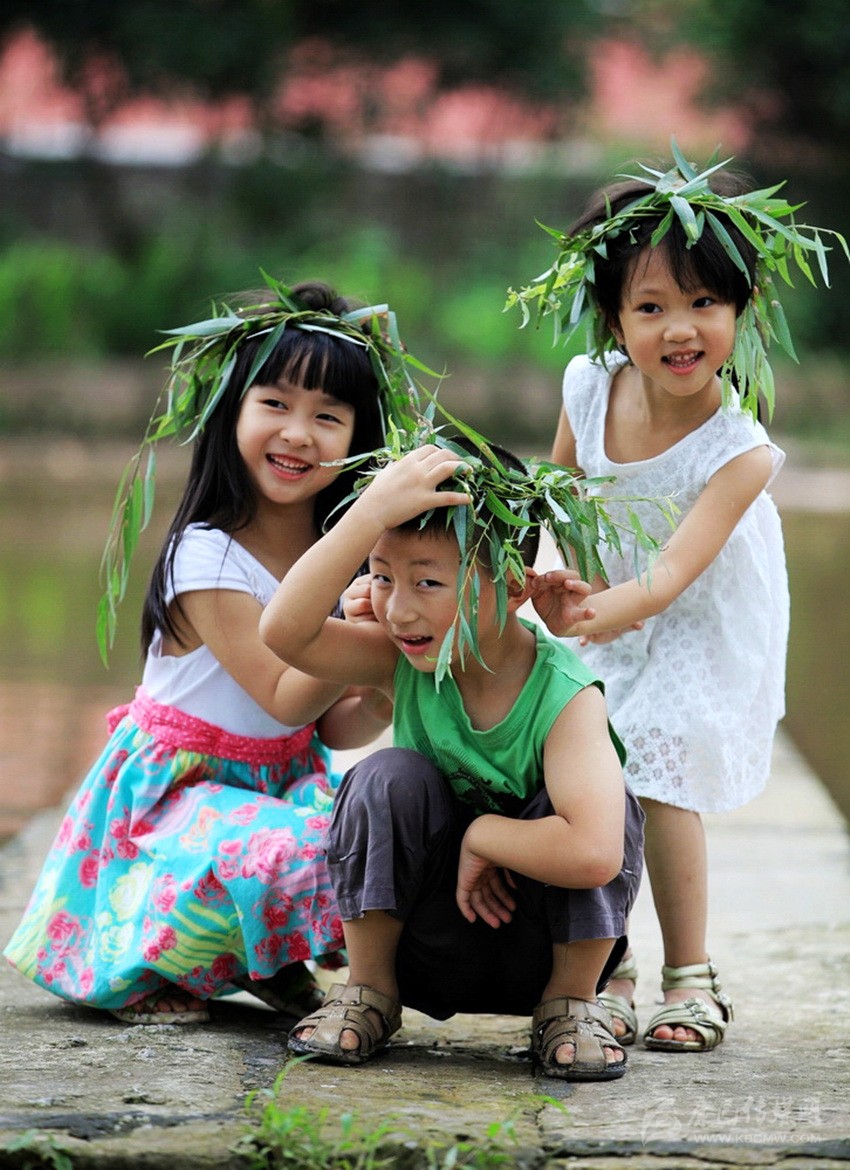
{"x": 189, "y": 856}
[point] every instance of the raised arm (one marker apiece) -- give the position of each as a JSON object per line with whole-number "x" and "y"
{"x": 295, "y": 623}
{"x": 690, "y": 550}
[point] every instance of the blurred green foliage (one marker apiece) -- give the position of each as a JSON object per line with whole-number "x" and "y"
{"x": 441, "y": 247}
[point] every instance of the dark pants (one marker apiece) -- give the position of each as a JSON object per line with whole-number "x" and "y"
{"x": 393, "y": 845}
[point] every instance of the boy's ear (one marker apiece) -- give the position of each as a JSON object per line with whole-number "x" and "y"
{"x": 520, "y": 591}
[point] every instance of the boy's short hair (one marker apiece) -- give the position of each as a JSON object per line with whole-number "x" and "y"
{"x": 435, "y": 521}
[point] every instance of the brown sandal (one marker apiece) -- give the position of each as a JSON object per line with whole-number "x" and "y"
{"x": 584, "y": 1024}
{"x": 347, "y": 1008}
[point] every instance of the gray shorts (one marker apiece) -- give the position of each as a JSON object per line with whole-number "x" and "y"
{"x": 393, "y": 845}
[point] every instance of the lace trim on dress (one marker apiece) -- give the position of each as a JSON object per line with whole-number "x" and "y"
{"x": 176, "y": 729}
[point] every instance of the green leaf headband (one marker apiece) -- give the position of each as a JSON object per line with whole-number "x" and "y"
{"x": 506, "y": 505}
{"x": 682, "y": 195}
{"x": 203, "y": 359}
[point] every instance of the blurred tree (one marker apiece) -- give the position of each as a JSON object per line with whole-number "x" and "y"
{"x": 785, "y": 62}
{"x": 111, "y": 51}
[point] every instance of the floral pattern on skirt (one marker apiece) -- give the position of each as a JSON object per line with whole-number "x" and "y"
{"x": 178, "y": 866}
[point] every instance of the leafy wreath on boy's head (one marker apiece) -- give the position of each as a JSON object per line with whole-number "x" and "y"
{"x": 683, "y": 195}
{"x": 203, "y": 359}
{"x": 507, "y": 503}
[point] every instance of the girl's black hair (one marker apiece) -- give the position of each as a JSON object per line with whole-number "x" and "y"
{"x": 219, "y": 492}
{"x": 706, "y": 264}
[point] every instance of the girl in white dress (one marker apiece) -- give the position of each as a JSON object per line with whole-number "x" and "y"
{"x": 692, "y": 647}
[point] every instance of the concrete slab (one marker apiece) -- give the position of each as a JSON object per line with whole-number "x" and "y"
{"x": 775, "y": 1093}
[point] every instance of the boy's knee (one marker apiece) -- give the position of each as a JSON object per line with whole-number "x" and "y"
{"x": 393, "y": 783}
{"x": 389, "y": 774}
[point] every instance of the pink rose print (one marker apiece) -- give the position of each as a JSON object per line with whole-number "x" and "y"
{"x": 110, "y": 774}
{"x": 66, "y": 831}
{"x": 275, "y": 916}
{"x": 166, "y": 940}
{"x": 165, "y": 894}
{"x": 298, "y": 947}
{"x": 210, "y": 890}
{"x": 269, "y": 948}
{"x": 88, "y": 870}
{"x": 268, "y": 854}
{"x": 62, "y": 927}
{"x": 127, "y": 849}
{"x": 224, "y": 968}
{"x": 317, "y": 823}
{"x": 245, "y": 814}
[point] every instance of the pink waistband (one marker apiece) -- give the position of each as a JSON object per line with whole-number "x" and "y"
{"x": 176, "y": 729}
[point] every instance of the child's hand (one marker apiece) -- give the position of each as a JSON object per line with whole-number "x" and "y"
{"x": 607, "y": 635}
{"x": 559, "y": 598}
{"x": 357, "y": 600}
{"x": 403, "y": 489}
{"x": 482, "y": 891}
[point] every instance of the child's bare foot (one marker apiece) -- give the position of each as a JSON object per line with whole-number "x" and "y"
{"x": 696, "y": 1011}
{"x": 164, "y": 1007}
{"x": 353, "y": 1023}
{"x": 571, "y": 1039}
{"x": 680, "y": 1033}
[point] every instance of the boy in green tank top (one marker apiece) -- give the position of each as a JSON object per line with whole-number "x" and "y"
{"x": 488, "y": 861}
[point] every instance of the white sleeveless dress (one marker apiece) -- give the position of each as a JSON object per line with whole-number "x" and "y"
{"x": 697, "y": 693}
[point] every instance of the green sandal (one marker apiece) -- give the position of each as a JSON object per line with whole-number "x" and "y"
{"x": 692, "y": 1013}
{"x": 344, "y": 1009}
{"x": 617, "y": 1006}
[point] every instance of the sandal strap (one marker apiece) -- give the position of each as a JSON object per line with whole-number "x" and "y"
{"x": 700, "y": 976}
{"x": 690, "y": 1013}
{"x": 625, "y": 969}
{"x": 618, "y": 1007}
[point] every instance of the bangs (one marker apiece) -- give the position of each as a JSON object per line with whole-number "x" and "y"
{"x": 705, "y": 264}
{"x": 316, "y": 360}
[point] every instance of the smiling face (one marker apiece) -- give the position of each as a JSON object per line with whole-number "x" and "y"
{"x": 677, "y": 338}
{"x": 284, "y": 435}
{"x": 414, "y": 593}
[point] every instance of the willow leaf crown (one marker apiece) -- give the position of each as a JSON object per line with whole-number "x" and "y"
{"x": 203, "y": 357}
{"x": 507, "y": 503}
{"x": 682, "y": 195}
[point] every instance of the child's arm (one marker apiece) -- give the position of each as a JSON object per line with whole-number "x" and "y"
{"x": 564, "y": 446}
{"x": 690, "y": 550}
{"x": 227, "y": 622}
{"x": 295, "y": 623}
{"x": 356, "y": 719}
{"x": 363, "y": 712}
{"x": 581, "y": 845}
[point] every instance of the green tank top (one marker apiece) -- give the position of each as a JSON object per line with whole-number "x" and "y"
{"x": 500, "y": 769}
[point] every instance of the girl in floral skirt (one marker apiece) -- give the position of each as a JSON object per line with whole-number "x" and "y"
{"x": 190, "y": 861}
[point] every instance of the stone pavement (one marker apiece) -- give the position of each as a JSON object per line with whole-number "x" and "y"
{"x": 776, "y": 1093}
